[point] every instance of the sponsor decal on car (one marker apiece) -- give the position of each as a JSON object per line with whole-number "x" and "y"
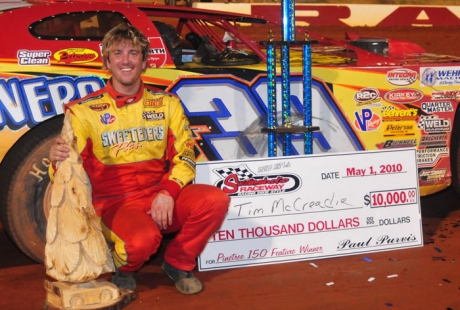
{"x": 436, "y": 140}
{"x": 445, "y": 94}
{"x": 157, "y": 53}
{"x": 393, "y": 129}
{"x": 434, "y": 124}
{"x": 390, "y": 113}
{"x": 75, "y": 55}
{"x": 402, "y": 77}
{"x": 367, "y": 120}
{"x": 432, "y": 175}
{"x": 368, "y": 97}
{"x": 437, "y": 106}
{"x": 33, "y": 58}
{"x": 394, "y": 144}
{"x": 403, "y": 95}
{"x": 27, "y": 102}
{"x": 430, "y": 156}
{"x": 442, "y": 76}
{"x": 428, "y": 77}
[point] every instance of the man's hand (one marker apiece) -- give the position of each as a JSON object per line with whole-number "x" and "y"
{"x": 58, "y": 151}
{"x": 161, "y": 210}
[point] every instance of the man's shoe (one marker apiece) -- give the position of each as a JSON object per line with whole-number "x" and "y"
{"x": 124, "y": 280}
{"x": 185, "y": 281}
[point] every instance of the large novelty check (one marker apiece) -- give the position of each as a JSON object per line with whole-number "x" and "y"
{"x": 310, "y": 207}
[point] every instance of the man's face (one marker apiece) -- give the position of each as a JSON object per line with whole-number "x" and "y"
{"x": 126, "y": 64}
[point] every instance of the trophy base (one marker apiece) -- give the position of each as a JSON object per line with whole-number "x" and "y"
{"x": 96, "y": 294}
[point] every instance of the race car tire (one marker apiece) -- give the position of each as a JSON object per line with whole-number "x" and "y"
{"x": 455, "y": 154}
{"x": 23, "y": 183}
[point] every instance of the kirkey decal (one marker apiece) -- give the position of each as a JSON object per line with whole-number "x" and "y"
{"x": 403, "y": 95}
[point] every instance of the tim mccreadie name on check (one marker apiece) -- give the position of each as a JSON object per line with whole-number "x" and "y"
{"x": 279, "y": 206}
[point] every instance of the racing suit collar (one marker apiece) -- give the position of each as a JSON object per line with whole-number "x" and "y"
{"x": 120, "y": 99}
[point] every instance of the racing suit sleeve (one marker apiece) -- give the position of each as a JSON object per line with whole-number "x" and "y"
{"x": 180, "y": 151}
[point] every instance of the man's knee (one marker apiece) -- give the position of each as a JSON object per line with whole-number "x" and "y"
{"x": 144, "y": 242}
{"x": 217, "y": 200}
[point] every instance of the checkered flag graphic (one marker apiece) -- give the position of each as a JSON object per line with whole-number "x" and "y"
{"x": 423, "y": 118}
{"x": 242, "y": 171}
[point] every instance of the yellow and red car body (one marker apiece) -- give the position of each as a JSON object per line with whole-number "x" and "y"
{"x": 368, "y": 93}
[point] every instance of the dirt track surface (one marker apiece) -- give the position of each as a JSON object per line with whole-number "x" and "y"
{"x": 428, "y": 277}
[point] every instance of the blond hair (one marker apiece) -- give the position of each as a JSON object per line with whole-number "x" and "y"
{"x": 122, "y": 34}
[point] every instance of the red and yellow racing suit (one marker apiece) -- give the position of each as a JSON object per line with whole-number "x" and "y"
{"x": 132, "y": 147}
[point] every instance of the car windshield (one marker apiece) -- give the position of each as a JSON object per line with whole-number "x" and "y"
{"x": 76, "y": 26}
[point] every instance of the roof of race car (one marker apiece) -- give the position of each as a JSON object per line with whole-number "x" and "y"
{"x": 13, "y": 5}
{"x": 26, "y": 14}
{"x": 174, "y": 10}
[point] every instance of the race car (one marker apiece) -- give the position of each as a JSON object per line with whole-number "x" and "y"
{"x": 367, "y": 93}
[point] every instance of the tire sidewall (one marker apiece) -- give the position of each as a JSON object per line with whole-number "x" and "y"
{"x": 24, "y": 180}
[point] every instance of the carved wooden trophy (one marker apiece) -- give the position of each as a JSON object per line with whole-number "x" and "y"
{"x": 76, "y": 252}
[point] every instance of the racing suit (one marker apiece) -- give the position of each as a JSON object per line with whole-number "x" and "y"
{"x": 133, "y": 147}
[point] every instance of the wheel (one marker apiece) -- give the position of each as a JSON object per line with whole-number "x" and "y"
{"x": 228, "y": 58}
{"x": 77, "y": 301}
{"x": 170, "y": 2}
{"x": 189, "y": 3}
{"x": 455, "y": 154}
{"x": 23, "y": 182}
{"x": 106, "y": 296}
